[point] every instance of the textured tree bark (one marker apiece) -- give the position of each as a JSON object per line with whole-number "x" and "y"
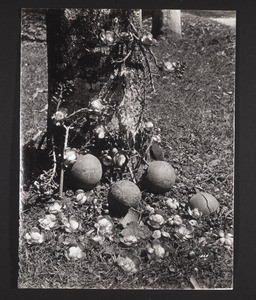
{"x": 71, "y": 33}
{"x": 166, "y": 22}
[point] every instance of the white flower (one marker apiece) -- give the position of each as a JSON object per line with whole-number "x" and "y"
{"x": 159, "y": 251}
{"x": 156, "y": 251}
{"x": 129, "y": 240}
{"x": 169, "y": 66}
{"x": 175, "y": 220}
{"x": 80, "y": 197}
{"x": 150, "y": 208}
{"x": 35, "y": 236}
{"x": 97, "y": 105}
{"x": 99, "y": 239}
{"x": 156, "y": 221}
{"x": 71, "y": 224}
{"x": 195, "y": 213}
{"x": 55, "y": 208}
{"x": 100, "y": 131}
{"x": 172, "y": 203}
{"x": 75, "y": 253}
{"x": 149, "y": 125}
{"x": 48, "y": 222}
{"x": 127, "y": 264}
{"x": 156, "y": 234}
{"x": 156, "y": 138}
{"x": 119, "y": 160}
{"x": 183, "y": 232}
{"x": 108, "y": 37}
{"x": 225, "y": 239}
{"x": 59, "y": 117}
{"x": 147, "y": 39}
{"x": 70, "y": 157}
{"x": 165, "y": 234}
{"x": 193, "y": 223}
{"x": 104, "y": 226}
{"x": 106, "y": 160}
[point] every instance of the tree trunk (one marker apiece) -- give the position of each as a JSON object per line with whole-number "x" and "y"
{"x": 166, "y": 22}
{"x": 80, "y": 69}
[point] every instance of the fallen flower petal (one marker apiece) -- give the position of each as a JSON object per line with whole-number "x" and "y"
{"x": 104, "y": 225}
{"x": 48, "y": 222}
{"x": 128, "y": 264}
{"x": 71, "y": 224}
{"x": 55, "y": 208}
{"x": 35, "y": 236}
{"x": 175, "y": 220}
{"x": 156, "y": 234}
{"x": 75, "y": 253}
{"x": 156, "y": 221}
{"x": 172, "y": 203}
{"x": 183, "y": 232}
{"x": 129, "y": 240}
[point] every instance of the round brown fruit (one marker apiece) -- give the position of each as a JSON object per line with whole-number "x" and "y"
{"x": 159, "y": 177}
{"x": 122, "y": 195}
{"x": 204, "y": 202}
{"x": 86, "y": 172}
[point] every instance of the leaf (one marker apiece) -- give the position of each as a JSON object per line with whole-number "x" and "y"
{"x": 139, "y": 231}
{"x": 194, "y": 283}
{"x": 132, "y": 216}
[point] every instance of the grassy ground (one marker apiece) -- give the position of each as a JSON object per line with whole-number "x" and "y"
{"x": 195, "y": 113}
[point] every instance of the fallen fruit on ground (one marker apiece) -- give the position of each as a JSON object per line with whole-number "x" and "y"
{"x": 159, "y": 177}
{"x": 86, "y": 172}
{"x": 123, "y": 195}
{"x": 204, "y": 202}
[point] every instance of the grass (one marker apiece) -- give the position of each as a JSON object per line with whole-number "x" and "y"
{"x": 195, "y": 113}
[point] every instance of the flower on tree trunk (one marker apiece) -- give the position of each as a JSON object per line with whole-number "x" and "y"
{"x": 70, "y": 157}
{"x": 59, "y": 117}
{"x": 147, "y": 39}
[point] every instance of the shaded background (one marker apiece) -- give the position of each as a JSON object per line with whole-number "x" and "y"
{"x": 245, "y": 188}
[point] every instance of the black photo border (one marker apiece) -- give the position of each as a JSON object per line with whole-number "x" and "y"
{"x": 245, "y": 151}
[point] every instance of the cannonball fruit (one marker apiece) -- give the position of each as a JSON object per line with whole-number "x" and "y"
{"x": 204, "y": 202}
{"x": 86, "y": 172}
{"x": 159, "y": 177}
{"x": 122, "y": 195}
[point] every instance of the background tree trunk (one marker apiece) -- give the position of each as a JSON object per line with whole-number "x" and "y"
{"x": 167, "y": 22}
